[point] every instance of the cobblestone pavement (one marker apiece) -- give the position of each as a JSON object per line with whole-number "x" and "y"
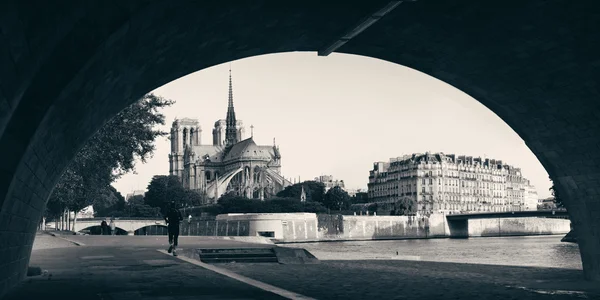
{"x": 114, "y": 273}
{"x": 379, "y": 279}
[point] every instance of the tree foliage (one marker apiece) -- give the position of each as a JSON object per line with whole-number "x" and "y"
{"x": 235, "y": 204}
{"x": 406, "y": 206}
{"x": 164, "y": 189}
{"x": 557, "y": 199}
{"x": 336, "y": 199}
{"x": 108, "y": 202}
{"x": 109, "y": 154}
{"x": 118, "y": 207}
{"x": 314, "y": 191}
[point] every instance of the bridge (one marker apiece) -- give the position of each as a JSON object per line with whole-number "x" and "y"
{"x": 130, "y": 225}
{"x": 510, "y": 214}
{"x": 535, "y": 222}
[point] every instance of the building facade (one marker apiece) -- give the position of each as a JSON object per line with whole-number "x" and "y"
{"x": 330, "y": 182}
{"x": 531, "y": 196}
{"x": 231, "y": 164}
{"x": 134, "y": 193}
{"x": 446, "y": 183}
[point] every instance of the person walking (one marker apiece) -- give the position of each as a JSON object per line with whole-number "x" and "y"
{"x": 173, "y": 217}
{"x": 112, "y": 226}
{"x": 103, "y": 227}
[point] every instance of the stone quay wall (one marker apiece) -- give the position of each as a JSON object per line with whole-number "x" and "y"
{"x": 518, "y": 226}
{"x": 302, "y": 227}
{"x": 215, "y": 228}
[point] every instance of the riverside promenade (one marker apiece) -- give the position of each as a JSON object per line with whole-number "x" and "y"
{"x": 131, "y": 267}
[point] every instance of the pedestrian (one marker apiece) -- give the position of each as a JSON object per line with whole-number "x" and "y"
{"x": 103, "y": 227}
{"x": 173, "y": 217}
{"x": 112, "y": 226}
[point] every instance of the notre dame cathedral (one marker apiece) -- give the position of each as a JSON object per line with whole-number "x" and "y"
{"x": 230, "y": 164}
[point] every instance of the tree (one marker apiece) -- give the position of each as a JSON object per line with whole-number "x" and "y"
{"x": 336, "y": 198}
{"x": 230, "y": 203}
{"x": 136, "y": 200}
{"x": 314, "y": 190}
{"x": 109, "y": 154}
{"x": 108, "y": 201}
{"x": 557, "y": 199}
{"x": 406, "y": 206}
{"x": 164, "y": 189}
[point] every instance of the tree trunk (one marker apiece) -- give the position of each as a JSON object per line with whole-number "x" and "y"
{"x": 66, "y": 218}
{"x": 74, "y": 220}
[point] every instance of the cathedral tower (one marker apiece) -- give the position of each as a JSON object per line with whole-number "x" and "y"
{"x": 184, "y": 133}
{"x": 231, "y": 131}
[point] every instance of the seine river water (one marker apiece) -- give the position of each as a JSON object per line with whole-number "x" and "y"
{"x": 536, "y": 251}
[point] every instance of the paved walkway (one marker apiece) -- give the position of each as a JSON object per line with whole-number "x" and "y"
{"x": 396, "y": 279}
{"x": 132, "y": 270}
{"x": 121, "y": 267}
{"x": 46, "y": 241}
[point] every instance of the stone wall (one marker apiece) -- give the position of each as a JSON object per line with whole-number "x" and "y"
{"x": 330, "y": 226}
{"x": 280, "y": 226}
{"x": 333, "y": 227}
{"x": 215, "y": 228}
{"x": 374, "y": 227}
{"x": 298, "y": 227}
{"x": 518, "y": 226}
{"x": 299, "y": 230}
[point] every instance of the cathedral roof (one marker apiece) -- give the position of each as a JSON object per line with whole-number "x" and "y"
{"x": 247, "y": 149}
{"x": 213, "y": 152}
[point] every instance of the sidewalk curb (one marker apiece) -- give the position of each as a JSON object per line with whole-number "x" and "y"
{"x": 66, "y": 239}
{"x": 249, "y": 281}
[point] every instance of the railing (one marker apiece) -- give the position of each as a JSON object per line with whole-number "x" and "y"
{"x": 120, "y": 219}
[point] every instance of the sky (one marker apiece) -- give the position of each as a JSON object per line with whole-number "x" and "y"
{"x": 337, "y": 115}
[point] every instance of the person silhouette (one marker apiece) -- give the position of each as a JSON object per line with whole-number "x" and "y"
{"x": 103, "y": 227}
{"x": 172, "y": 218}
{"x": 112, "y": 226}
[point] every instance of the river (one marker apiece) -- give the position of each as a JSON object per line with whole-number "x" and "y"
{"x": 535, "y": 251}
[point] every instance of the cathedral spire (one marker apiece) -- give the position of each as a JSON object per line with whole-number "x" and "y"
{"x": 231, "y": 134}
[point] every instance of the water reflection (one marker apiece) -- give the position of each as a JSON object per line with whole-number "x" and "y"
{"x": 538, "y": 251}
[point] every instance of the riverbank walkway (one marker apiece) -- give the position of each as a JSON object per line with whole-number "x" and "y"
{"x": 130, "y": 267}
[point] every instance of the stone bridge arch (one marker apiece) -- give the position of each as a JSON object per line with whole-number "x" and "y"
{"x": 155, "y": 229}
{"x": 129, "y": 226}
{"x": 534, "y": 63}
{"x": 97, "y": 230}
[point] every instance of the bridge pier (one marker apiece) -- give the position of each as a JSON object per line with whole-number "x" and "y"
{"x": 507, "y": 224}
{"x": 130, "y": 232}
{"x": 459, "y": 228}
{"x": 585, "y": 221}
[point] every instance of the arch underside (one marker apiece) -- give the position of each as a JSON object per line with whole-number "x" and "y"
{"x": 534, "y": 63}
